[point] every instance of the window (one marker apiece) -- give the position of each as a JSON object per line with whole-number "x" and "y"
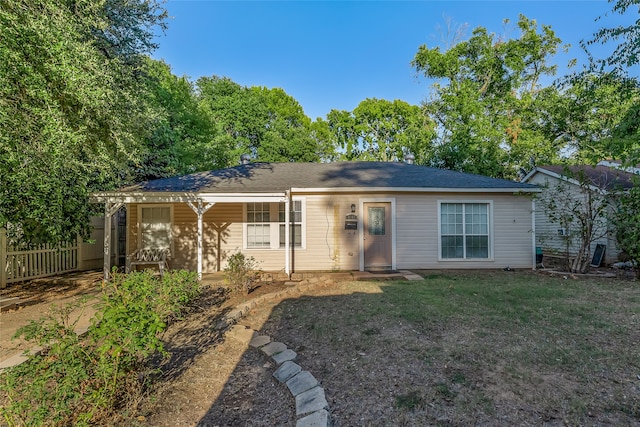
{"x": 155, "y": 227}
{"x": 265, "y": 225}
{"x": 376, "y": 221}
{"x": 258, "y": 228}
{"x": 464, "y": 230}
{"x": 295, "y": 217}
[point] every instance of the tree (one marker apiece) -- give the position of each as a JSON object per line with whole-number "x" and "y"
{"x": 580, "y": 210}
{"x": 179, "y": 136}
{"x": 268, "y": 124}
{"x": 287, "y": 136}
{"x": 69, "y": 112}
{"x": 626, "y": 220}
{"x": 237, "y": 114}
{"x": 627, "y": 52}
{"x": 325, "y": 140}
{"x": 382, "y": 130}
{"x": 487, "y": 108}
{"x": 625, "y": 137}
{"x": 585, "y": 117}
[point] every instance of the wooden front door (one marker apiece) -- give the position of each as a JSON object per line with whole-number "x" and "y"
{"x": 377, "y": 236}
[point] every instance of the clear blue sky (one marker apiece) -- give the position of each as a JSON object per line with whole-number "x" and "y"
{"x": 334, "y": 54}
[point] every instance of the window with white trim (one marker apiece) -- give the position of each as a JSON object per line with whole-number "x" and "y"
{"x": 258, "y": 227}
{"x": 155, "y": 227}
{"x": 265, "y": 225}
{"x": 464, "y": 231}
{"x": 295, "y": 218}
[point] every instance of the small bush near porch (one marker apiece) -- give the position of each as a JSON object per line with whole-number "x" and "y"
{"x": 501, "y": 348}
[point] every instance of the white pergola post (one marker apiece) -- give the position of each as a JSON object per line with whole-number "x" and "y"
{"x": 200, "y": 210}
{"x": 109, "y": 210}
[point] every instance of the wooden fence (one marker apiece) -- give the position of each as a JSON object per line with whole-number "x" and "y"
{"x": 18, "y": 264}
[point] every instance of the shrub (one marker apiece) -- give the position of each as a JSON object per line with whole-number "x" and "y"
{"x": 76, "y": 380}
{"x": 241, "y": 272}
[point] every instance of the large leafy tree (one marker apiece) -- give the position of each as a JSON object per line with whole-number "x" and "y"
{"x": 626, "y": 219}
{"x": 382, "y": 130}
{"x": 485, "y": 99}
{"x": 180, "y": 137}
{"x": 288, "y": 136}
{"x": 627, "y": 37}
{"x": 267, "y": 124}
{"x": 593, "y": 117}
{"x": 237, "y": 114}
{"x": 69, "y": 106}
{"x": 625, "y": 42}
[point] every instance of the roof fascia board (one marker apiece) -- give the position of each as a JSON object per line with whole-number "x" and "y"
{"x": 413, "y": 190}
{"x": 528, "y": 176}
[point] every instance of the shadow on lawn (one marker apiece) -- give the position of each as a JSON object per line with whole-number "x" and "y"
{"x": 449, "y": 356}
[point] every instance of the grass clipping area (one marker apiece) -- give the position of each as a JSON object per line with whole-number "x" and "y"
{"x": 471, "y": 348}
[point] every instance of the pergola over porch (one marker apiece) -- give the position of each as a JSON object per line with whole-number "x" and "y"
{"x": 199, "y": 203}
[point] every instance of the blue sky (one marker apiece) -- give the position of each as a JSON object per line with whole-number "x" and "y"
{"x": 334, "y": 54}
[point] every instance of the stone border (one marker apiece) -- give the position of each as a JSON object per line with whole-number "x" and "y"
{"x": 312, "y": 408}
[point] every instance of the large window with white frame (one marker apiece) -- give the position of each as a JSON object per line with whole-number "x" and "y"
{"x": 465, "y": 230}
{"x": 155, "y": 226}
{"x": 265, "y": 225}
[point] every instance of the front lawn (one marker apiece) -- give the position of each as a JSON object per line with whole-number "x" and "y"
{"x": 505, "y": 348}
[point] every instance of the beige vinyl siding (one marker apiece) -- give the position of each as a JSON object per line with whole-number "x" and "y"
{"x": 329, "y": 247}
{"x": 222, "y": 221}
{"x": 418, "y": 238}
{"x": 417, "y": 231}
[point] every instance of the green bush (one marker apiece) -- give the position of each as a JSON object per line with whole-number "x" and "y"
{"x": 77, "y": 380}
{"x": 241, "y": 272}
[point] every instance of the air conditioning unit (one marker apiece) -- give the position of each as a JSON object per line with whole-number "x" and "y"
{"x": 563, "y": 232}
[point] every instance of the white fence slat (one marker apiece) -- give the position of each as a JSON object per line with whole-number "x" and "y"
{"x": 37, "y": 261}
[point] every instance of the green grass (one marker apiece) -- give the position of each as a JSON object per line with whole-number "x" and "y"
{"x": 479, "y": 346}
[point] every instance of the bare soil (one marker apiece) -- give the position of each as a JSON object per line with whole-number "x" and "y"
{"x": 35, "y": 299}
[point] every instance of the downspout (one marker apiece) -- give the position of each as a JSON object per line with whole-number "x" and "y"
{"x": 533, "y": 232}
{"x": 287, "y": 234}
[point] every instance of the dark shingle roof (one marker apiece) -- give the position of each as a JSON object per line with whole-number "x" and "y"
{"x": 602, "y": 177}
{"x": 270, "y": 177}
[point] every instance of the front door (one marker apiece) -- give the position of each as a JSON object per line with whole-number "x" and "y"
{"x": 377, "y": 236}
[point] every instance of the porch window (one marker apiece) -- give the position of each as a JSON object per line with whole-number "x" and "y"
{"x": 155, "y": 227}
{"x": 295, "y": 217}
{"x": 258, "y": 227}
{"x": 464, "y": 230}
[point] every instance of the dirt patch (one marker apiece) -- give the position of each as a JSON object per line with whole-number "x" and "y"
{"x": 35, "y": 299}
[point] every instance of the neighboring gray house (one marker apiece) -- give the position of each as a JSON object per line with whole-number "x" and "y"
{"x": 603, "y": 180}
{"x": 331, "y": 216}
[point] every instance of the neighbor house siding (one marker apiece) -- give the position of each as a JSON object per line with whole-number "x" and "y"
{"x": 547, "y": 235}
